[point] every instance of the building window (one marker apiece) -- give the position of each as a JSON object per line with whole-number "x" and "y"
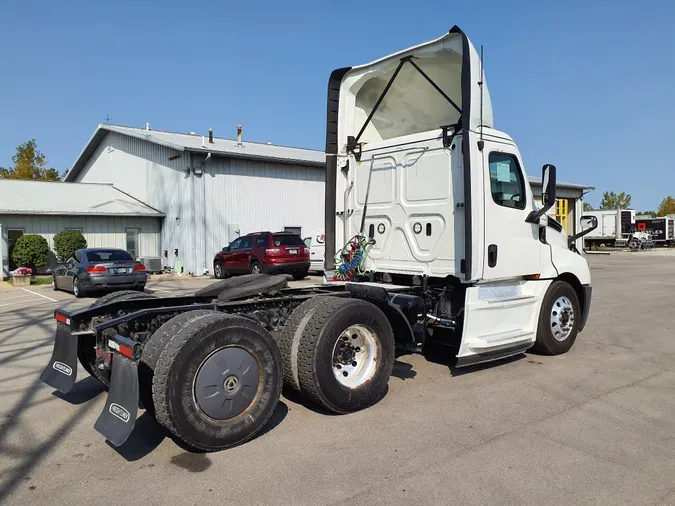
{"x": 12, "y": 235}
{"x": 506, "y": 181}
{"x": 132, "y": 241}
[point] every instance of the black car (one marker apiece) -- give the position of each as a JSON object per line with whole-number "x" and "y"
{"x": 99, "y": 269}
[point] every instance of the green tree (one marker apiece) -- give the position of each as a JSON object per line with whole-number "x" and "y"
{"x": 653, "y": 214}
{"x": 587, "y": 207}
{"x": 667, "y": 206}
{"x": 68, "y": 242}
{"x": 31, "y": 251}
{"x": 611, "y": 200}
{"x": 29, "y": 163}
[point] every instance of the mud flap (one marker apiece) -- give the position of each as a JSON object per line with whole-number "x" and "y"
{"x": 119, "y": 415}
{"x": 61, "y": 372}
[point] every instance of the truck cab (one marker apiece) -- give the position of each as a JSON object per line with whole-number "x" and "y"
{"x": 416, "y": 167}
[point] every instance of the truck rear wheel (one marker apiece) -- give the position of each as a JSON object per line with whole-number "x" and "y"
{"x": 86, "y": 345}
{"x": 345, "y": 355}
{"x": 153, "y": 349}
{"x": 558, "y": 319}
{"x": 217, "y": 382}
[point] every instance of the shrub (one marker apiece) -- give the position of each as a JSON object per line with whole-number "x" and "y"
{"x": 30, "y": 251}
{"x": 68, "y": 242}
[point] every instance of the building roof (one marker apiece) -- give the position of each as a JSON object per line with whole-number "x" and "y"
{"x": 228, "y": 147}
{"x": 55, "y": 198}
{"x": 193, "y": 143}
{"x": 561, "y": 184}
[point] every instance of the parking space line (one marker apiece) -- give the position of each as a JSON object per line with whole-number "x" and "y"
{"x": 15, "y": 297}
{"x": 39, "y": 294}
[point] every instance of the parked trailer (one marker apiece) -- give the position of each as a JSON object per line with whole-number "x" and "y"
{"x": 443, "y": 246}
{"x": 615, "y": 227}
{"x": 660, "y": 229}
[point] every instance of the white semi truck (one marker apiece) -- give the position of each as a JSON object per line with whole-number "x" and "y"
{"x": 438, "y": 241}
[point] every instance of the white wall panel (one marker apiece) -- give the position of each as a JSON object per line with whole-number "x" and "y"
{"x": 99, "y": 231}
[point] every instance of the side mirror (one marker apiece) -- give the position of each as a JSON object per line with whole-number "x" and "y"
{"x": 589, "y": 222}
{"x": 548, "y": 180}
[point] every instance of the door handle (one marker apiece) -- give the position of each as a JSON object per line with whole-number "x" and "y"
{"x": 492, "y": 255}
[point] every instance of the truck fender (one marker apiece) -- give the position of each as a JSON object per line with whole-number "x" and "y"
{"x": 378, "y": 295}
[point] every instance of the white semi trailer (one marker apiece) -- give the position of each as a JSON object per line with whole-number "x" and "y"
{"x": 615, "y": 227}
{"x": 438, "y": 240}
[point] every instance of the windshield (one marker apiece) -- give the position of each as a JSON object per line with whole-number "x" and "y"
{"x": 108, "y": 255}
{"x": 288, "y": 240}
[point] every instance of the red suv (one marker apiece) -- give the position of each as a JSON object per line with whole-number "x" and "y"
{"x": 264, "y": 252}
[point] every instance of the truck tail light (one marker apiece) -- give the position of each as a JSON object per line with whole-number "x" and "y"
{"x": 61, "y": 318}
{"x": 139, "y": 267}
{"x": 97, "y": 268}
{"x": 272, "y": 252}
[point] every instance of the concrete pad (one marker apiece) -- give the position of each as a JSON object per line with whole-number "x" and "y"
{"x": 594, "y": 426}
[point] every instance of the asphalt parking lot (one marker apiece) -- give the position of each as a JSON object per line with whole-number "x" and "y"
{"x": 594, "y": 426}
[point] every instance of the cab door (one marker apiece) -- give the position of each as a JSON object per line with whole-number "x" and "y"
{"x": 512, "y": 246}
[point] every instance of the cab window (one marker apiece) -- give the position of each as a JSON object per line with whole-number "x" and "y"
{"x": 246, "y": 243}
{"x": 506, "y": 181}
{"x": 235, "y": 244}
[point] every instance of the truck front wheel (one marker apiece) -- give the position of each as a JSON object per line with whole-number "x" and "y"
{"x": 345, "y": 355}
{"x": 558, "y": 319}
{"x": 217, "y": 382}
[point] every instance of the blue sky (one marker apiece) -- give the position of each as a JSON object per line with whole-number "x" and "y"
{"x": 589, "y": 86}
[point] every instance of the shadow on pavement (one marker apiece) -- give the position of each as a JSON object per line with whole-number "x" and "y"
{"x": 146, "y": 436}
{"x": 83, "y": 391}
{"x": 403, "y": 371}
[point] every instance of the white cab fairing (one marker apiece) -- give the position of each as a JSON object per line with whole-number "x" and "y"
{"x": 417, "y": 201}
{"x": 500, "y": 317}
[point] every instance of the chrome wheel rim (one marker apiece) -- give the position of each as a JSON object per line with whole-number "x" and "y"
{"x": 355, "y": 356}
{"x": 219, "y": 270}
{"x": 53, "y": 284}
{"x": 76, "y": 287}
{"x": 562, "y": 318}
{"x": 256, "y": 269}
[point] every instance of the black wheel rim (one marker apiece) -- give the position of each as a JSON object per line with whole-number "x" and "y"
{"x": 227, "y": 383}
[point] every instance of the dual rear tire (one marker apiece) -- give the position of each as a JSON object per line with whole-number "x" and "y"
{"x": 212, "y": 379}
{"x": 338, "y": 352}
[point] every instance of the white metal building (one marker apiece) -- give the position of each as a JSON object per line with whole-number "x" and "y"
{"x": 211, "y": 190}
{"x": 106, "y": 216}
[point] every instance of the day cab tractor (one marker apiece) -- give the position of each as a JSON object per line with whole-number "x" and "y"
{"x": 439, "y": 243}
